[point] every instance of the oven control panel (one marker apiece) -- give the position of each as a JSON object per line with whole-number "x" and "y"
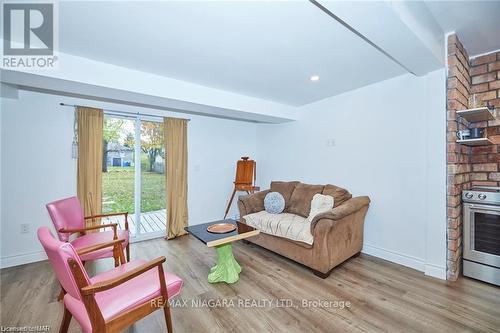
{"x": 483, "y": 197}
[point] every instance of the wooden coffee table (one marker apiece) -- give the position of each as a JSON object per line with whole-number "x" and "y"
{"x": 227, "y": 268}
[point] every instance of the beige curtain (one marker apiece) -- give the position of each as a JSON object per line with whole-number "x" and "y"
{"x": 89, "y": 170}
{"x": 176, "y": 183}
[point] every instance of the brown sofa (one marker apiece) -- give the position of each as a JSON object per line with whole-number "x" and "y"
{"x": 337, "y": 234}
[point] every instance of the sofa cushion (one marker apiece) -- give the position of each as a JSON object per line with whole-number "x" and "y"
{"x": 300, "y": 201}
{"x": 339, "y": 194}
{"x": 285, "y": 188}
{"x": 284, "y": 225}
{"x": 253, "y": 202}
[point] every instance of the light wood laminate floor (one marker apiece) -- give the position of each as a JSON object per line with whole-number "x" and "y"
{"x": 384, "y": 297}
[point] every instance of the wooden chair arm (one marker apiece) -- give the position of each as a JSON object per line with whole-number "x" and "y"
{"x": 111, "y": 283}
{"x": 93, "y": 248}
{"x": 94, "y": 227}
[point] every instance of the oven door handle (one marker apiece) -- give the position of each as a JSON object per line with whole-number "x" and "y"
{"x": 485, "y": 207}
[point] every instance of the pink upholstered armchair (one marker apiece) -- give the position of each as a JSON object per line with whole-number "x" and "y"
{"x": 113, "y": 300}
{"x": 67, "y": 217}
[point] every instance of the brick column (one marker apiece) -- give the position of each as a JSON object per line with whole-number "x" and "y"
{"x": 458, "y": 162}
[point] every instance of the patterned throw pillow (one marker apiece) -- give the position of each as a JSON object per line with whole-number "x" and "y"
{"x": 274, "y": 203}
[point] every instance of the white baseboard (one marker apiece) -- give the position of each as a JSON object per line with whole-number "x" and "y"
{"x": 398, "y": 258}
{"x": 21, "y": 259}
{"x": 435, "y": 271}
{"x": 406, "y": 260}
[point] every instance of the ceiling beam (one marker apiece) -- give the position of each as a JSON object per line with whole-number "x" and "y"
{"x": 406, "y": 32}
{"x": 56, "y": 86}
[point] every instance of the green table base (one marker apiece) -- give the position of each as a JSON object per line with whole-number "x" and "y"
{"x": 227, "y": 268}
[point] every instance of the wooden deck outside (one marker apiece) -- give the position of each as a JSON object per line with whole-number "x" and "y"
{"x": 150, "y": 221}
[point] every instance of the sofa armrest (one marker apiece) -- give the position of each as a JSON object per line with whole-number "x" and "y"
{"x": 349, "y": 207}
{"x": 251, "y": 203}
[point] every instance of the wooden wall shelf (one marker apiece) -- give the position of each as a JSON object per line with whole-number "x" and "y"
{"x": 475, "y": 142}
{"x": 477, "y": 114}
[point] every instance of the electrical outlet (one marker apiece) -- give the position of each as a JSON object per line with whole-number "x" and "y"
{"x": 330, "y": 142}
{"x": 25, "y": 228}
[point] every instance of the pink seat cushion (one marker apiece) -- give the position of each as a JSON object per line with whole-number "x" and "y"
{"x": 117, "y": 300}
{"x": 98, "y": 238}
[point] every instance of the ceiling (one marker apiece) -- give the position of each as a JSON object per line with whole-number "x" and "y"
{"x": 270, "y": 49}
{"x": 477, "y": 23}
{"x": 263, "y": 49}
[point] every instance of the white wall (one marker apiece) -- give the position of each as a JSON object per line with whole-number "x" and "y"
{"x": 435, "y": 254}
{"x": 36, "y": 165}
{"x": 389, "y": 144}
{"x": 1, "y": 104}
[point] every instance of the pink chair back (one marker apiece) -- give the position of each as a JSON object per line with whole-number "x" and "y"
{"x": 59, "y": 253}
{"x": 66, "y": 213}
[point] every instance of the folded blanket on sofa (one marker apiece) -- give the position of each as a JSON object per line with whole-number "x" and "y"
{"x": 284, "y": 225}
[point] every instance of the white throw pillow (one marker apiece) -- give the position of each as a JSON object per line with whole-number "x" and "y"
{"x": 320, "y": 204}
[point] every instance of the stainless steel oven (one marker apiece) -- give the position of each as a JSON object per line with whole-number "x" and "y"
{"x": 481, "y": 257}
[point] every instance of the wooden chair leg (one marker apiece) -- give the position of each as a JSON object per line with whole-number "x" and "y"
{"x": 61, "y": 294}
{"x": 229, "y": 203}
{"x": 168, "y": 318}
{"x": 65, "y": 321}
{"x": 128, "y": 252}
{"x": 118, "y": 255}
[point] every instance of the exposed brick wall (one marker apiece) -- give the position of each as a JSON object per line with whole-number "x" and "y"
{"x": 468, "y": 166}
{"x": 459, "y": 167}
{"x": 485, "y": 76}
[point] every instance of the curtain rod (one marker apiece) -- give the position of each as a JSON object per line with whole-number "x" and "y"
{"x": 122, "y": 112}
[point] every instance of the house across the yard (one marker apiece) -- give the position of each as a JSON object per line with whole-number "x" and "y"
{"x": 119, "y": 155}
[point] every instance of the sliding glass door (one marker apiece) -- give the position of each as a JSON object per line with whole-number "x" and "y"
{"x": 118, "y": 168}
{"x": 152, "y": 178}
{"x": 133, "y": 177}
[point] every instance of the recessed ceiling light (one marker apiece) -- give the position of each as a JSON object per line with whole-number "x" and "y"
{"x": 314, "y": 78}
